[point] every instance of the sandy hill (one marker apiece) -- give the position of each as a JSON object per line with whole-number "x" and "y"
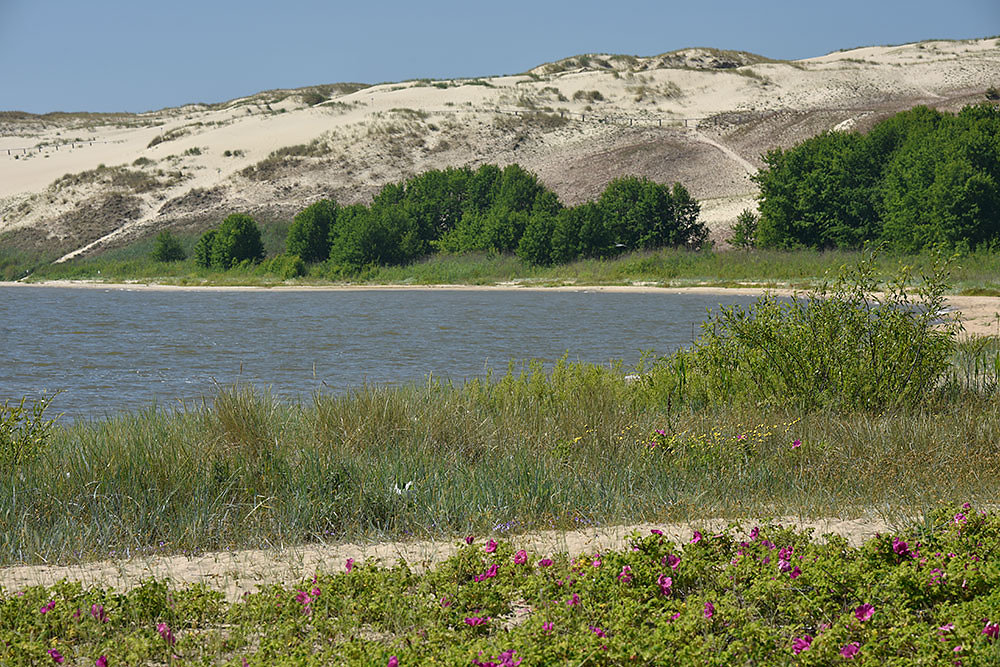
{"x": 80, "y": 183}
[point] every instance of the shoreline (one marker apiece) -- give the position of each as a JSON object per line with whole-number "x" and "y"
{"x": 978, "y": 315}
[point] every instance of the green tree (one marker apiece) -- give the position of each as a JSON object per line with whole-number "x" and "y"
{"x": 309, "y": 235}
{"x": 168, "y": 248}
{"x": 236, "y": 240}
{"x": 203, "y": 249}
{"x": 744, "y": 230}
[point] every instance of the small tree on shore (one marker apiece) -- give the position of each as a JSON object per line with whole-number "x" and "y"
{"x": 744, "y": 230}
{"x": 168, "y": 248}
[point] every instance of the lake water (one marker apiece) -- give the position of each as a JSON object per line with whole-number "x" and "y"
{"x": 117, "y": 349}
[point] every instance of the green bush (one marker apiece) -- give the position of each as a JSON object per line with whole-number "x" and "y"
{"x": 203, "y": 249}
{"x": 309, "y": 235}
{"x": 24, "y": 430}
{"x": 168, "y": 248}
{"x": 854, "y": 344}
{"x": 235, "y": 241}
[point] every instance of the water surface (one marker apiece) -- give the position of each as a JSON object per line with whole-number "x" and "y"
{"x": 117, "y": 349}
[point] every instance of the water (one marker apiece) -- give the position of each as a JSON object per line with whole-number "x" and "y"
{"x": 117, "y": 349}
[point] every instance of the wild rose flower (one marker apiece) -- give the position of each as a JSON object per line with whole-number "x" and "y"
{"x": 490, "y": 547}
{"x": 469, "y": 539}
{"x": 521, "y": 557}
{"x": 796, "y": 444}
{"x": 696, "y": 538}
{"x": 665, "y": 583}
{"x": 488, "y": 574}
{"x": 899, "y": 547}
{"x": 315, "y": 592}
{"x": 597, "y": 560}
{"x": 547, "y": 627}
{"x": 573, "y": 600}
{"x": 795, "y": 573}
{"x": 597, "y": 631}
{"x": 947, "y": 627}
{"x": 654, "y": 531}
{"x": 754, "y": 533}
{"x": 445, "y": 602}
{"x": 671, "y": 561}
{"x": 349, "y": 565}
{"x": 959, "y": 518}
{"x": 850, "y": 650}
{"x": 784, "y": 565}
{"x": 475, "y": 620}
{"x": 103, "y": 661}
{"x": 545, "y": 562}
{"x": 56, "y": 656}
{"x": 165, "y": 632}
{"x": 992, "y": 630}
{"x": 97, "y": 611}
{"x": 303, "y": 598}
{"x": 625, "y": 576}
{"x": 800, "y": 644}
{"x": 393, "y": 661}
{"x": 864, "y": 612}
{"x": 47, "y": 607}
{"x": 709, "y": 610}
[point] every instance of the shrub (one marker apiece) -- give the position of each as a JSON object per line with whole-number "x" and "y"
{"x": 24, "y": 430}
{"x": 203, "y": 249}
{"x": 237, "y": 240}
{"x": 847, "y": 345}
{"x": 744, "y": 230}
{"x": 168, "y": 248}
{"x": 308, "y": 237}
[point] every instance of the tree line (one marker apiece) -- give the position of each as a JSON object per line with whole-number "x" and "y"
{"x": 917, "y": 180}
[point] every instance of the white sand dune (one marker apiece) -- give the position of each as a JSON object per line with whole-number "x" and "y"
{"x": 699, "y": 116}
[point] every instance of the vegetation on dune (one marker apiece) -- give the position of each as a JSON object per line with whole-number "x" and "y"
{"x": 917, "y": 180}
{"x": 770, "y": 597}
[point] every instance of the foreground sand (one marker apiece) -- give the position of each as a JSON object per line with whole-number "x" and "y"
{"x": 236, "y": 572}
{"x": 979, "y": 315}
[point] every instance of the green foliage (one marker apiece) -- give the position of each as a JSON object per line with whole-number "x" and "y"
{"x": 744, "y": 230}
{"x": 24, "y": 430}
{"x": 235, "y": 241}
{"x": 857, "y": 344}
{"x": 918, "y": 180}
{"x": 284, "y": 266}
{"x": 168, "y": 248}
{"x": 309, "y": 235}
{"x": 642, "y": 214}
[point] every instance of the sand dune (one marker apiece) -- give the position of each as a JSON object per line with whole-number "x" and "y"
{"x": 84, "y": 182}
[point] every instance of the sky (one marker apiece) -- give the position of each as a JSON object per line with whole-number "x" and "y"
{"x": 142, "y": 55}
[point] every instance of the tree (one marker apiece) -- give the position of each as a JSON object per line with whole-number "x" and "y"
{"x": 309, "y": 235}
{"x": 168, "y": 248}
{"x": 236, "y": 240}
{"x": 744, "y": 230}
{"x": 203, "y": 249}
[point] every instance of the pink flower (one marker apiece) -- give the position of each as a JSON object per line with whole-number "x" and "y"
{"x": 349, "y": 565}
{"x": 315, "y": 592}
{"x": 800, "y": 644}
{"x": 597, "y": 631}
{"x": 959, "y": 518}
{"x": 101, "y": 662}
{"x": 490, "y": 547}
{"x": 475, "y": 620}
{"x": 303, "y": 598}
{"x": 445, "y": 602}
{"x": 488, "y": 574}
{"x": 97, "y": 611}
{"x": 992, "y": 630}
{"x": 754, "y": 533}
{"x": 545, "y": 562}
{"x": 796, "y": 573}
{"x": 393, "y": 662}
{"x": 573, "y": 600}
{"x": 696, "y": 538}
{"x": 850, "y": 650}
{"x": 165, "y": 632}
{"x": 899, "y": 547}
{"x": 625, "y": 576}
{"x": 597, "y": 560}
{"x": 521, "y": 557}
{"x": 469, "y": 539}
{"x": 864, "y": 612}
{"x": 709, "y": 610}
{"x": 49, "y": 606}
{"x": 56, "y": 656}
{"x": 654, "y": 531}
{"x": 547, "y": 627}
{"x": 665, "y": 583}
{"x": 947, "y": 627}
{"x": 796, "y": 444}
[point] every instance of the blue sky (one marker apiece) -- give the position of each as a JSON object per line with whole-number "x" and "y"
{"x": 138, "y": 55}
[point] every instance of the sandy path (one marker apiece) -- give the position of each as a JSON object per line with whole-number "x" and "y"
{"x": 236, "y": 572}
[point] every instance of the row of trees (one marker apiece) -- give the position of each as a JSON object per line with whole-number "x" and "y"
{"x": 919, "y": 179}
{"x": 494, "y": 210}
{"x": 234, "y": 241}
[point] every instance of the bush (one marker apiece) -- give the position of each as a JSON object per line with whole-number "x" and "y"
{"x": 24, "y": 430}
{"x": 744, "y": 230}
{"x": 203, "y": 249}
{"x": 848, "y": 345}
{"x": 168, "y": 248}
{"x": 309, "y": 235}
{"x": 236, "y": 240}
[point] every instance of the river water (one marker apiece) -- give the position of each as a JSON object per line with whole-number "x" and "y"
{"x": 115, "y": 349}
